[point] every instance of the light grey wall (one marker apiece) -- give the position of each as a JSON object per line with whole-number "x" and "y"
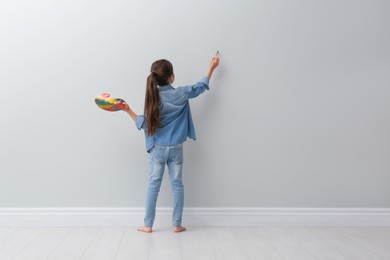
{"x": 297, "y": 115}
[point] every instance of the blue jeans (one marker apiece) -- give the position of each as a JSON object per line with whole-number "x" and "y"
{"x": 173, "y": 157}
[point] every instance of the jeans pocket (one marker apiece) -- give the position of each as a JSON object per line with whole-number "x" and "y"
{"x": 176, "y": 154}
{"x": 157, "y": 154}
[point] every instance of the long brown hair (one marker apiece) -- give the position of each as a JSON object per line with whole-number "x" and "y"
{"x": 160, "y": 72}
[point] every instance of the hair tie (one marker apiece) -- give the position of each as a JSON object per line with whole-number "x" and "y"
{"x": 153, "y": 77}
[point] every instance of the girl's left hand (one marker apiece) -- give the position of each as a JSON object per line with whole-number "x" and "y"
{"x": 126, "y": 108}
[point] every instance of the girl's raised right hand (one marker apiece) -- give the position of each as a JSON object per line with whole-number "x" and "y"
{"x": 214, "y": 61}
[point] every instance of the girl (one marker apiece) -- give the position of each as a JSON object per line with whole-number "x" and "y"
{"x": 167, "y": 123}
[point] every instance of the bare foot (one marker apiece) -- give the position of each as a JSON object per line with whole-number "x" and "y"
{"x": 179, "y": 229}
{"x": 145, "y": 229}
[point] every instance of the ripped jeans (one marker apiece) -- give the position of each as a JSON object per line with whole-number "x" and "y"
{"x": 173, "y": 157}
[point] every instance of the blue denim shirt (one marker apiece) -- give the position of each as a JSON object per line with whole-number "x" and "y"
{"x": 175, "y": 115}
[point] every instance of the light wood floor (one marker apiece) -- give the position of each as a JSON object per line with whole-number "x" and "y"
{"x": 197, "y": 243}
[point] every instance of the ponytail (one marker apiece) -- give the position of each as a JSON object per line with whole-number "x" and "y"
{"x": 161, "y": 71}
{"x": 152, "y": 104}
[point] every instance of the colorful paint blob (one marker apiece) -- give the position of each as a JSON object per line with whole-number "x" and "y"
{"x": 109, "y": 104}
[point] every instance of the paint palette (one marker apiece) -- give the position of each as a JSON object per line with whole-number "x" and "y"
{"x": 109, "y": 104}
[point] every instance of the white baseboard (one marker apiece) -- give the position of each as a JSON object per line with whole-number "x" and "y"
{"x": 197, "y": 217}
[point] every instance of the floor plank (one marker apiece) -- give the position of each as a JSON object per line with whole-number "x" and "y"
{"x": 40, "y": 247}
{"x": 285, "y": 246}
{"x": 104, "y": 244}
{"x": 134, "y": 245}
{"x": 317, "y": 246}
{"x": 165, "y": 245}
{"x": 339, "y": 241}
{"x": 377, "y": 240}
{"x": 254, "y": 245}
{"x": 16, "y": 241}
{"x": 195, "y": 245}
{"x": 74, "y": 244}
{"x": 224, "y": 244}
{"x": 6, "y": 231}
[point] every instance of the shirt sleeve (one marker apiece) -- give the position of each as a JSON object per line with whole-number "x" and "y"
{"x": 140, "y": 122}
{"x": 193, "y": 91}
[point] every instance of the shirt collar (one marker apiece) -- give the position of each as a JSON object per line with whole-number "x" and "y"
{"x": 165, "y": 87}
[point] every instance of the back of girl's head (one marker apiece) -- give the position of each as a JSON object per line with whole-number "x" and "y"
{"x": 160, "y": 72}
